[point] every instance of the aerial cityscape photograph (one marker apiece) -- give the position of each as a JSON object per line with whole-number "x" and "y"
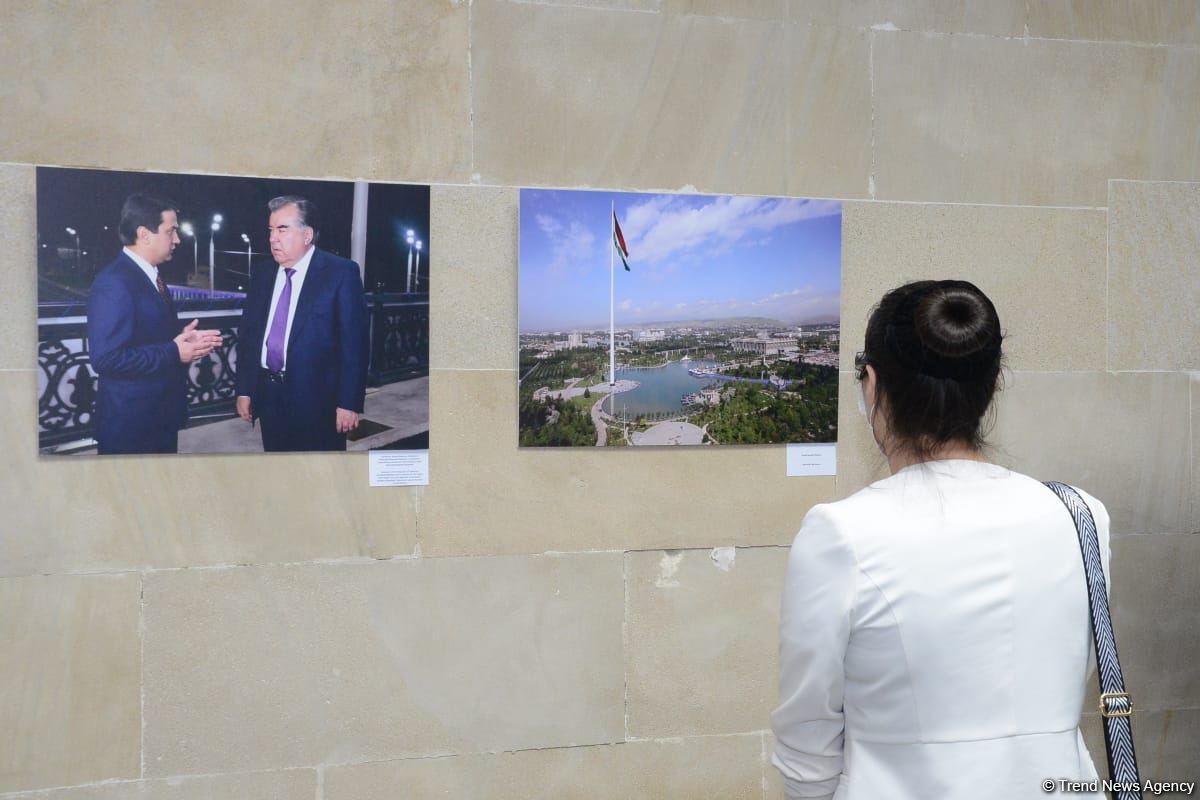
{"x": 670, "y": 319}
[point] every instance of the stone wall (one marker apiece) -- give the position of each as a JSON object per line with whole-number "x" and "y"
{"x": 551, "y": 624}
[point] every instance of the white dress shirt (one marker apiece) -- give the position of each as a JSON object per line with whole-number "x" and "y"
{"x": 935, "y": 640}
{"x": 301, "y": 268}
{"x": 148, "y": 268}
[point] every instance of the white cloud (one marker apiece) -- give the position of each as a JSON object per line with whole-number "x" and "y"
{"x": 662, "y": 226}
{"x": 571, "y": 245}
{"x": 794, "y": 304}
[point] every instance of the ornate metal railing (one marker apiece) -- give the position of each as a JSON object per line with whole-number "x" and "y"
{"x": 399, "y": 336}
{"x": 67, "y": 384}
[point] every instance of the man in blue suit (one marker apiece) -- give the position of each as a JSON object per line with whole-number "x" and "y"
{"x": 137, "y": 347}
{"x": 303, "y": 341}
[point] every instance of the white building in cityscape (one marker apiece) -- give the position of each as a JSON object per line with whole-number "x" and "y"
{"x": 764, "y": 347}
{"x": 821, "y": 358}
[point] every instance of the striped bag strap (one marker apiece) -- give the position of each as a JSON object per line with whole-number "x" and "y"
{"x": 1116, "y": 707}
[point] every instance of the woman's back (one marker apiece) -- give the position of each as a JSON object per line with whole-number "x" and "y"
{"x": 940, "y": 618}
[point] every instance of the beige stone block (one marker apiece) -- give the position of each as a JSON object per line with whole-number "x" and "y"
{"x": 731, "y": 9}
{"x": 18, "y": 264}
{"x": 1044, "y": 268}
{"x": 693, "y": 102}
{"x": 1164, "y": 741}
{"x": 1194, "y": 390}
{"x": 1154, "y": 276}
{"x": 418, "y": 96}
{"x": 486, "y": 495}
{"x": 829, "y": 135}
{"x": 274, "y": 667}
{"x": 70, "y": 680}
{"x": 991, "y": 17}
{"x": 1158, "y": 22}
{"x": 612, "y": 5}
{"x": 86, "y": 513}
{"x": 297, "y": 784}
{"x": 473, "y": 316}
{"x": 681, "y": 769}
{"x": 1118, "y": 436}
{"x": 972, "y": 119}
{"x": 1154, "y": 599}
{"x": 379, "y": 90}
{"x": 702, "y": 637}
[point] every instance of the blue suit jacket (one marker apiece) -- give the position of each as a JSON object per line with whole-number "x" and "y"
{"x": 141, "y": 401}
{"x": 327, "y": 351}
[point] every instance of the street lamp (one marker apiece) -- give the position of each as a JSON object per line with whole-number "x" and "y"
{"x": 212, "y": 267}
{"x": 417, "y": 269}
{"x": 78, "y": 257}
{"x": 246, "y": 239}
{"x": 408, "y": 275}
{"x": 187, "y": 230}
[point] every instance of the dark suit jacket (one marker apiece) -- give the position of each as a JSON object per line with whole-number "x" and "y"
{"x": 326, "y": 362}
{"x": 141, "y": 402}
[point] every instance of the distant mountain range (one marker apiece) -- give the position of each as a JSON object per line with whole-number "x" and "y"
{"x": 725, "y": 322}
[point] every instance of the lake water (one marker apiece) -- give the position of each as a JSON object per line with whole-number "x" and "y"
{"x": 661, "y": 388}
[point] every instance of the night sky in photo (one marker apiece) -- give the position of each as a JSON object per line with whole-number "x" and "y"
{"x": 89, "y": 200}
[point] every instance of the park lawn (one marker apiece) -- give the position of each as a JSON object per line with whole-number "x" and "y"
{"x": 584, "y": 404}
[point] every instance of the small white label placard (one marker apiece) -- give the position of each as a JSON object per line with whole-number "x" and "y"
{"x": 399, "y": 467}
{"x": 811, "y": 459}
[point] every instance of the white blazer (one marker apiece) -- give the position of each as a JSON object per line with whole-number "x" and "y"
{"x": 935, "y": 640}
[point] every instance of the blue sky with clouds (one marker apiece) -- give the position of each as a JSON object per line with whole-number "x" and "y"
{"x": 691, "y": 257}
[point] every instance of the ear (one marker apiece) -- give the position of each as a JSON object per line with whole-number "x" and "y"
{"x": 869, "y": 386}
{"x": 308, "y": 236}
{"x": 143, "y": 233}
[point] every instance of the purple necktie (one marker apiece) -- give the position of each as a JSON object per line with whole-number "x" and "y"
{"x": 275, "y": 338}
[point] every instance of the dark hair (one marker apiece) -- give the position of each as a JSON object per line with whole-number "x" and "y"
{"x": 141, "y": 211}
{"x": 305, "y": 208}
{"x": 935, "y": 347}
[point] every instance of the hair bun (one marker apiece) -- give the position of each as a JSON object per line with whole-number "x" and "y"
{"x": 946, "y": 329}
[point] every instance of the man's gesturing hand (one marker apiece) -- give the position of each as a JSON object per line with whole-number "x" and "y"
{"x": 194, "y": 345}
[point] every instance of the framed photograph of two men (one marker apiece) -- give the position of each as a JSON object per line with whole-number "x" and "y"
{"x": 186, "y": 313}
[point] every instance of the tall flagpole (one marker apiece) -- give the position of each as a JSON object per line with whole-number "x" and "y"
{"x": 612, "y": 335}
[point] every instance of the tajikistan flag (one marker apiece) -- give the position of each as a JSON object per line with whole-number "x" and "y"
{"x": 619, "y": 243}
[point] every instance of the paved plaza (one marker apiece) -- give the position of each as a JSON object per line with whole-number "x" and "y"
{"x": 402, "y": 406}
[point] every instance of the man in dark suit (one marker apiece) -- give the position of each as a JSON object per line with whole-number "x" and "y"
{"x": 137, "y": 347}
{"x": 303, "y": 340}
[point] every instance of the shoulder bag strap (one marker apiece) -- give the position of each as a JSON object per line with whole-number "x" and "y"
{"x": 1116, "y": 707}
